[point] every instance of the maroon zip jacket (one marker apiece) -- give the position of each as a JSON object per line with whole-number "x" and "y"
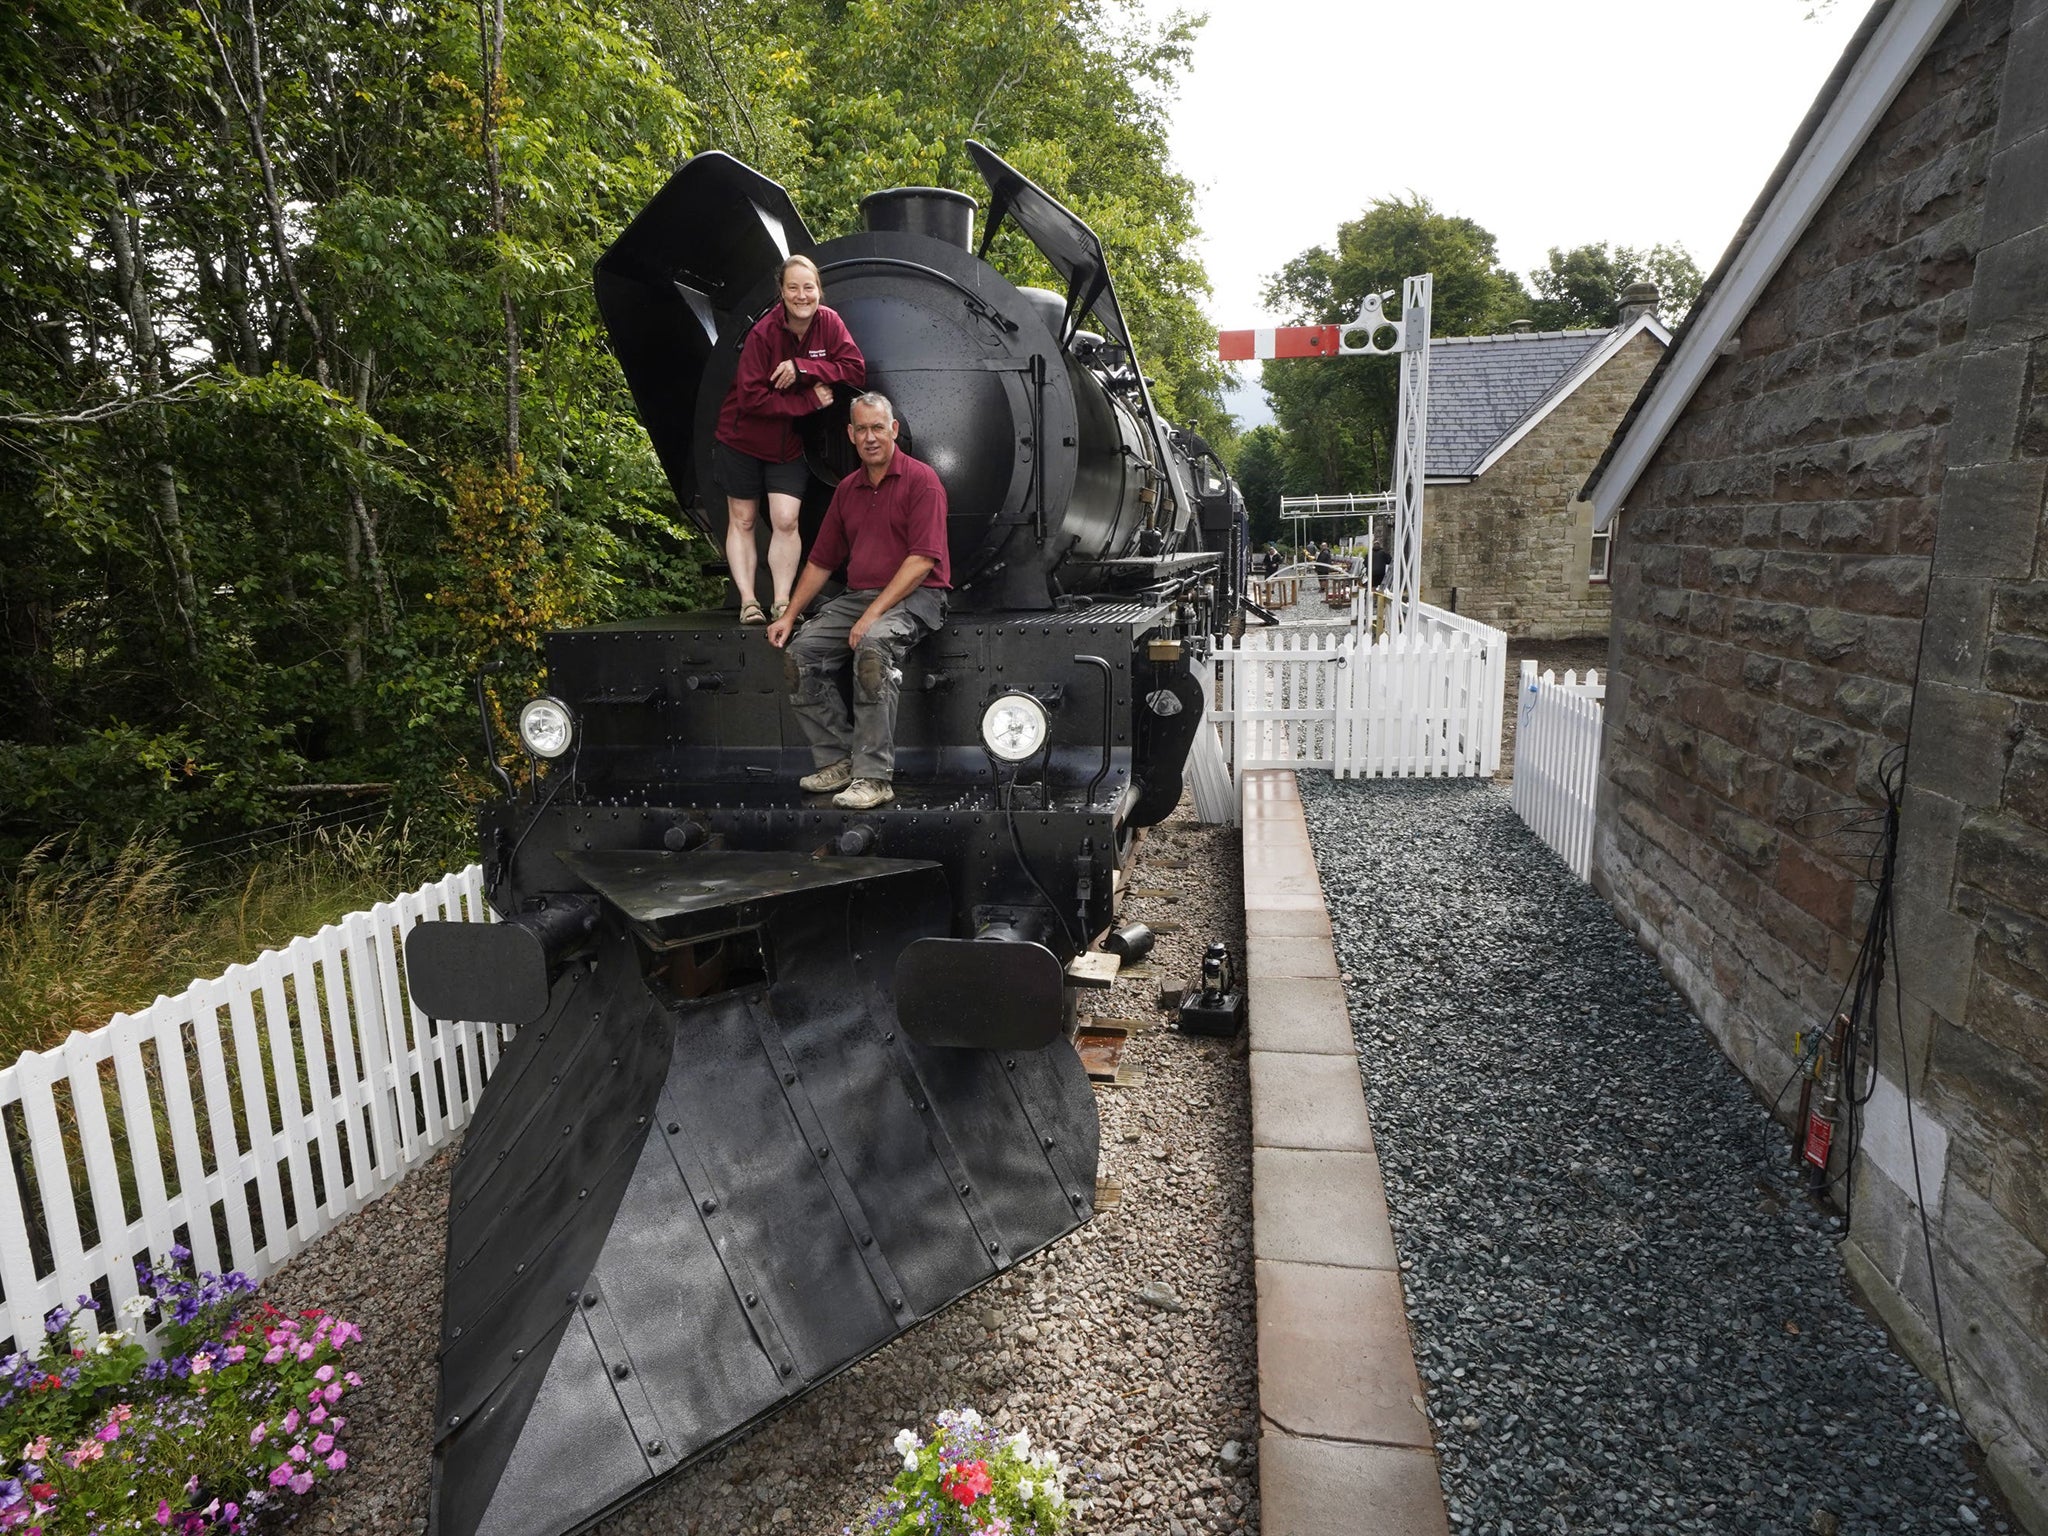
{"x": 757, "y": 419}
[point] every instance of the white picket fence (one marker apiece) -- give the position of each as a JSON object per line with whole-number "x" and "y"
{"x": 245, "y": 1137}
{"x": 1424, "y": 704}
{"x": 1557, "y": 760}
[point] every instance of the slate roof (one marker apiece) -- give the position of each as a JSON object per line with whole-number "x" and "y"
{"x": 1482, "y": 387}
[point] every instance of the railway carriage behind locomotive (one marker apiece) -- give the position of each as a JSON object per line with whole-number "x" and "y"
{"x": 788, "y": 1079}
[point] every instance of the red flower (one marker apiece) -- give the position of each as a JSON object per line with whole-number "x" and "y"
{"x": 42, "y": 1490}
{"x": 313, "y": 1312}
{"x": 967, "y": 1482}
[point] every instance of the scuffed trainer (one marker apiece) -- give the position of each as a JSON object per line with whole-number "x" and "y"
{"x": 864, "y": 795}
{"x": 838, "y": 776}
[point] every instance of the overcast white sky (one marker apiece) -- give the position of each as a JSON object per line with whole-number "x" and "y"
{"x": 1551, "y": 122}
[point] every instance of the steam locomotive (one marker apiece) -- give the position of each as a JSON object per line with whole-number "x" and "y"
{"x": 789, "y": 1079}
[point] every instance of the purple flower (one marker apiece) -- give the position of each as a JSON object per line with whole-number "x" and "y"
{"x": 57, "y": 1321}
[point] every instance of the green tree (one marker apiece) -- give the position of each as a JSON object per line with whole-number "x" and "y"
{"x": 277, "y": 278}
{"x": 1581, "y": 287}
{"x": 1337, "y": 414}
{"x": 1260, "y": 466}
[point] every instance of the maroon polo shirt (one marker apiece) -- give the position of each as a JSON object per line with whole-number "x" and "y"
{"x": 873, "y": 529}
{"x": 757, "y": 418}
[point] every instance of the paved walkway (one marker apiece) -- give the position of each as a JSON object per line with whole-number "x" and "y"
{"x": 1345, "y": 1443}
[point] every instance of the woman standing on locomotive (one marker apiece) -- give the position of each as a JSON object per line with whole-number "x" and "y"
{"x": 788, "y": 364}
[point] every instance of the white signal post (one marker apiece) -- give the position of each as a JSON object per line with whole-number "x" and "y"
{"x": 1374, "y": 334}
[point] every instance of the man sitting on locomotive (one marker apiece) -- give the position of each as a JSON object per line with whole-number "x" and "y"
{"x": 887, "y": 525}
{"x": 788, "y": 364}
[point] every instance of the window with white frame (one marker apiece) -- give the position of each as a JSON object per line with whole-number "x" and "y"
{"x": 1598, "y": 569}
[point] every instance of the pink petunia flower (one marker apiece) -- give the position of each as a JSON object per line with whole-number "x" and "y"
{"x": 338, "y": 1460}
{"x": 318, "y": 1415}
{"x": 280, "y": 1474}
{"x": 325, "y": 1373}
{"x": 163, "y": 1511}
{"x": 305, "y": 1351}
{"x": 273, "y": 1354}
{"x": 291, "y": 1422}
{"x": 322, "y": 1444}
{"x": 352, "y": 1378}
{"x": 297, "y": 1453}
{"x": 332, "y": 1392}
{"x": 236, "y": 1354}
{"x": 256, "y": 1435}
{"x": 303, "y": 1483}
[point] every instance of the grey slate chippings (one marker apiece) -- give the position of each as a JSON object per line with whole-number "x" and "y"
{"x": 1153, "y": 1408}
{"x": 1627, "y": 1314}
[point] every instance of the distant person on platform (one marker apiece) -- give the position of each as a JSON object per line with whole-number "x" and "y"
{"x": 788, "y": 364}
{"x": 1380, "y": 561}
{"x": 887, "y": 526}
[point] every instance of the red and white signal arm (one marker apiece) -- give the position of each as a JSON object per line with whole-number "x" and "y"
{"x": 1372, "y": 334}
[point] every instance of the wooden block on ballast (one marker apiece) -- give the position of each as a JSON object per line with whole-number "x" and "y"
{"x": 1093, "y": 968}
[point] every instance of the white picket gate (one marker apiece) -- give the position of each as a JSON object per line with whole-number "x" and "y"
{"x": 1423, "y": 704}
{"x": 1557, "y": 760}
{"x": 250, "y": 1136}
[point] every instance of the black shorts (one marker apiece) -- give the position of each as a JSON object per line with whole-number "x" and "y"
{"x": 746, "y": 478}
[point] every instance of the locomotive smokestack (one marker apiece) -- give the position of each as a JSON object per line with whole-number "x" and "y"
{"x": 933, "y": 211}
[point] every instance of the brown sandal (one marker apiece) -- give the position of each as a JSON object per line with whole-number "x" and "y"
{"x": 751, "y": 613}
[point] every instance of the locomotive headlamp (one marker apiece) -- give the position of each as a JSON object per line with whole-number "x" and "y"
{"x": 546, "y": 727}
{"x": 1014, "y": 727}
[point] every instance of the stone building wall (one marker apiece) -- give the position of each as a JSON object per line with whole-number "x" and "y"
{"x": 1836, "y": 552}
{"x": 1516, "y": 543}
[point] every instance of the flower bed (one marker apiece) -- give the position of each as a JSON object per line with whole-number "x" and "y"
{"x": 970, "y": 1480}
{"x": 235, "y": 1422}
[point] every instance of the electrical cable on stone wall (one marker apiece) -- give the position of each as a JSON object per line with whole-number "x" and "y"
{"x": 1856, "y": 1036}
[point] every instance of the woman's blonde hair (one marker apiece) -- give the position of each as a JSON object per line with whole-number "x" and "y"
{"x": 782, "y": 272}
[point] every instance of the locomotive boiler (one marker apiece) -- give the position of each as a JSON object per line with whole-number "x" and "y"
{"x": 788, "y": 1079}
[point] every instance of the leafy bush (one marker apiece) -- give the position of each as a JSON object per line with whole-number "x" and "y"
{"x": 233, "y": 1424}
{"x": 970, "y": 1479}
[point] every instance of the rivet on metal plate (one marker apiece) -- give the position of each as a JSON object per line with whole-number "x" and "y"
{"x": 788, "y": 1077}
{"x": 674, "y": 1128}
{"x": 788, "y": 1369}
{"x": 621, "y": 1371}
{"x": 966, "y": 1189}
{"x": 710, "y": 1206}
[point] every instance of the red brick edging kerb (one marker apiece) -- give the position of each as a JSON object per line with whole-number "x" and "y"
{"x": 1344, "y": 1442}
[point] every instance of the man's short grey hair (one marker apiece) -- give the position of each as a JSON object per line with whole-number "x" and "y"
{"x": 874, "y": 400}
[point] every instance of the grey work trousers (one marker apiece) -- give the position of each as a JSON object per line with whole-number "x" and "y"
{"x": 818, "y": 654}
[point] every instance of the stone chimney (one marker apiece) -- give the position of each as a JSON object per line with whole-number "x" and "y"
{"x": 1521, "y": 327}
{"x": 1637, "y": 299}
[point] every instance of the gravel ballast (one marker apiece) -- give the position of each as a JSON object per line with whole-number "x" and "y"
{"x": 1150, "y": 1397}
{"x": 1628, "y": 1315}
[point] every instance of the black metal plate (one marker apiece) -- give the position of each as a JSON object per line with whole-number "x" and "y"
{"x": 979, "y": 994}
{"x": 489, "y": 973}
{"x": 661, "y": 893}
